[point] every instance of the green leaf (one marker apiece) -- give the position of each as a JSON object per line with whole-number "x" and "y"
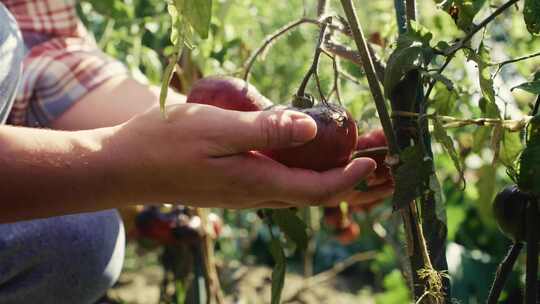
{"x": 292, "y": 226}
{"x": 444, "y": 100}
{"x": 411, "y": 176}
{"x": 440, "y": 135}
{"x": 412, "y": 52}
{"x": 416, "y": 33}
{"x": 400, "y": 62}
{"x": 532, "y": 87}
{"x": 278, "y": 273}
{"x": 198, "y": 13}
{"x": 531, "y": 14}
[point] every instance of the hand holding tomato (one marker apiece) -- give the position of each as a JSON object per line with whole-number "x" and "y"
{"x": 205, "y": 156}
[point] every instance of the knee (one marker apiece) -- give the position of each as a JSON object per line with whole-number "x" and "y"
{"x": 69, "y": 259}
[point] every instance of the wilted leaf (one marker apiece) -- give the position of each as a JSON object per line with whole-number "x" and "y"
{"x": 482, "y": 59}
{"x": 486, "y": 191}
{"x": 440, "y": 135}
{"x": 292, "y": 226}
{"x": 410, "y": 176}
{"x": 278, "y": 273}
{"x": 531, "y": 14}
{"x": 198, "y": 13}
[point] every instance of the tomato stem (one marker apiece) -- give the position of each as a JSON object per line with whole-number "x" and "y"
{"x": 503, "y": 271}
{"x": 301, "y": 92}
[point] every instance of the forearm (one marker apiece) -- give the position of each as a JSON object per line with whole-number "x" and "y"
{"x": 112, "y": 103}
{"x": 45, "y": 173}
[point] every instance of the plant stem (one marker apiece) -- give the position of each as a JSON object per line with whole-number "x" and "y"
{"x": 533, "y": 228}
{"x": 315, "y": 64}
{"x": 277, "y": 34}
{"x": 504, "y": 270}
{"x": 321, "y": 7}
{"x": 353, "y": 56}
{"x": 207, "y": 250}
{"x": 373, "y": 81}
{"x": 401, "y": 19}
{"x": 505, "y": 62}
{"x": 411, "y": 9}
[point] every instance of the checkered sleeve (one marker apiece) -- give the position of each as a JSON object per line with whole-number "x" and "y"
{"x": 62, "y": 62}
{"x": 57, "y": 74}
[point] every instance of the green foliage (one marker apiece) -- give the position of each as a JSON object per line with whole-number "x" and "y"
{"x": 532, "y": 87}
{"x": 529, "y": 162}
{"x": 412, "y": 53}
{"x": 462, "y": 11}
{"x": 531, "y": 13}
{"x": 410, "y": 176}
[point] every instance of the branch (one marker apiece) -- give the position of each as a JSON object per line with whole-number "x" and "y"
{"x": 451, "y": 51}
{"x": 280, "y": 32}
{"x": 354, "y": 57}
{"x": 504, "y": 270}
{"x": 503, "y": 63}
{"x": 373, "y": 81}
{"x": 315, "y": 64}
{"x": 513, "y": 125}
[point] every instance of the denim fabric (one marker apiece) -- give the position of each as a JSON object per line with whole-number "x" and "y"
{"x": 70, "y": 259}
{"x": 11, "y": 56}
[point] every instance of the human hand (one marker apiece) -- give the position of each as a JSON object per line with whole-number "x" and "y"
{"x": 204, "y": 156}
{"x": 380, "y": 183}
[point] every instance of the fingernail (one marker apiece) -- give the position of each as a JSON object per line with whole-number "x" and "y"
{"x": 304, "y": 129}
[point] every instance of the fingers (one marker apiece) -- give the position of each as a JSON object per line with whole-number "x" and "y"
{"x": 233, "y": 132}
{"x": 299, "y": 187}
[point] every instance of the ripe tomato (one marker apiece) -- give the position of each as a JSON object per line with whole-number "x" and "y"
{"x": 333, "y": 145}
{"x": 228, "y": 93}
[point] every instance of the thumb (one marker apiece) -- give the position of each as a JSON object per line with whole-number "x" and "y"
{"x": 246, "y": 131}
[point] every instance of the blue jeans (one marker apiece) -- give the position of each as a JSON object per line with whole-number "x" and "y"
{"x": 70, "y": 259}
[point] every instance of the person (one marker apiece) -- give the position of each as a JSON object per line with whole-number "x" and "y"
{"x": 83, "y": 138}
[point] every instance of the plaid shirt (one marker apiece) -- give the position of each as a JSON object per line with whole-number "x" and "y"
{"x": 62, "y": 61}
